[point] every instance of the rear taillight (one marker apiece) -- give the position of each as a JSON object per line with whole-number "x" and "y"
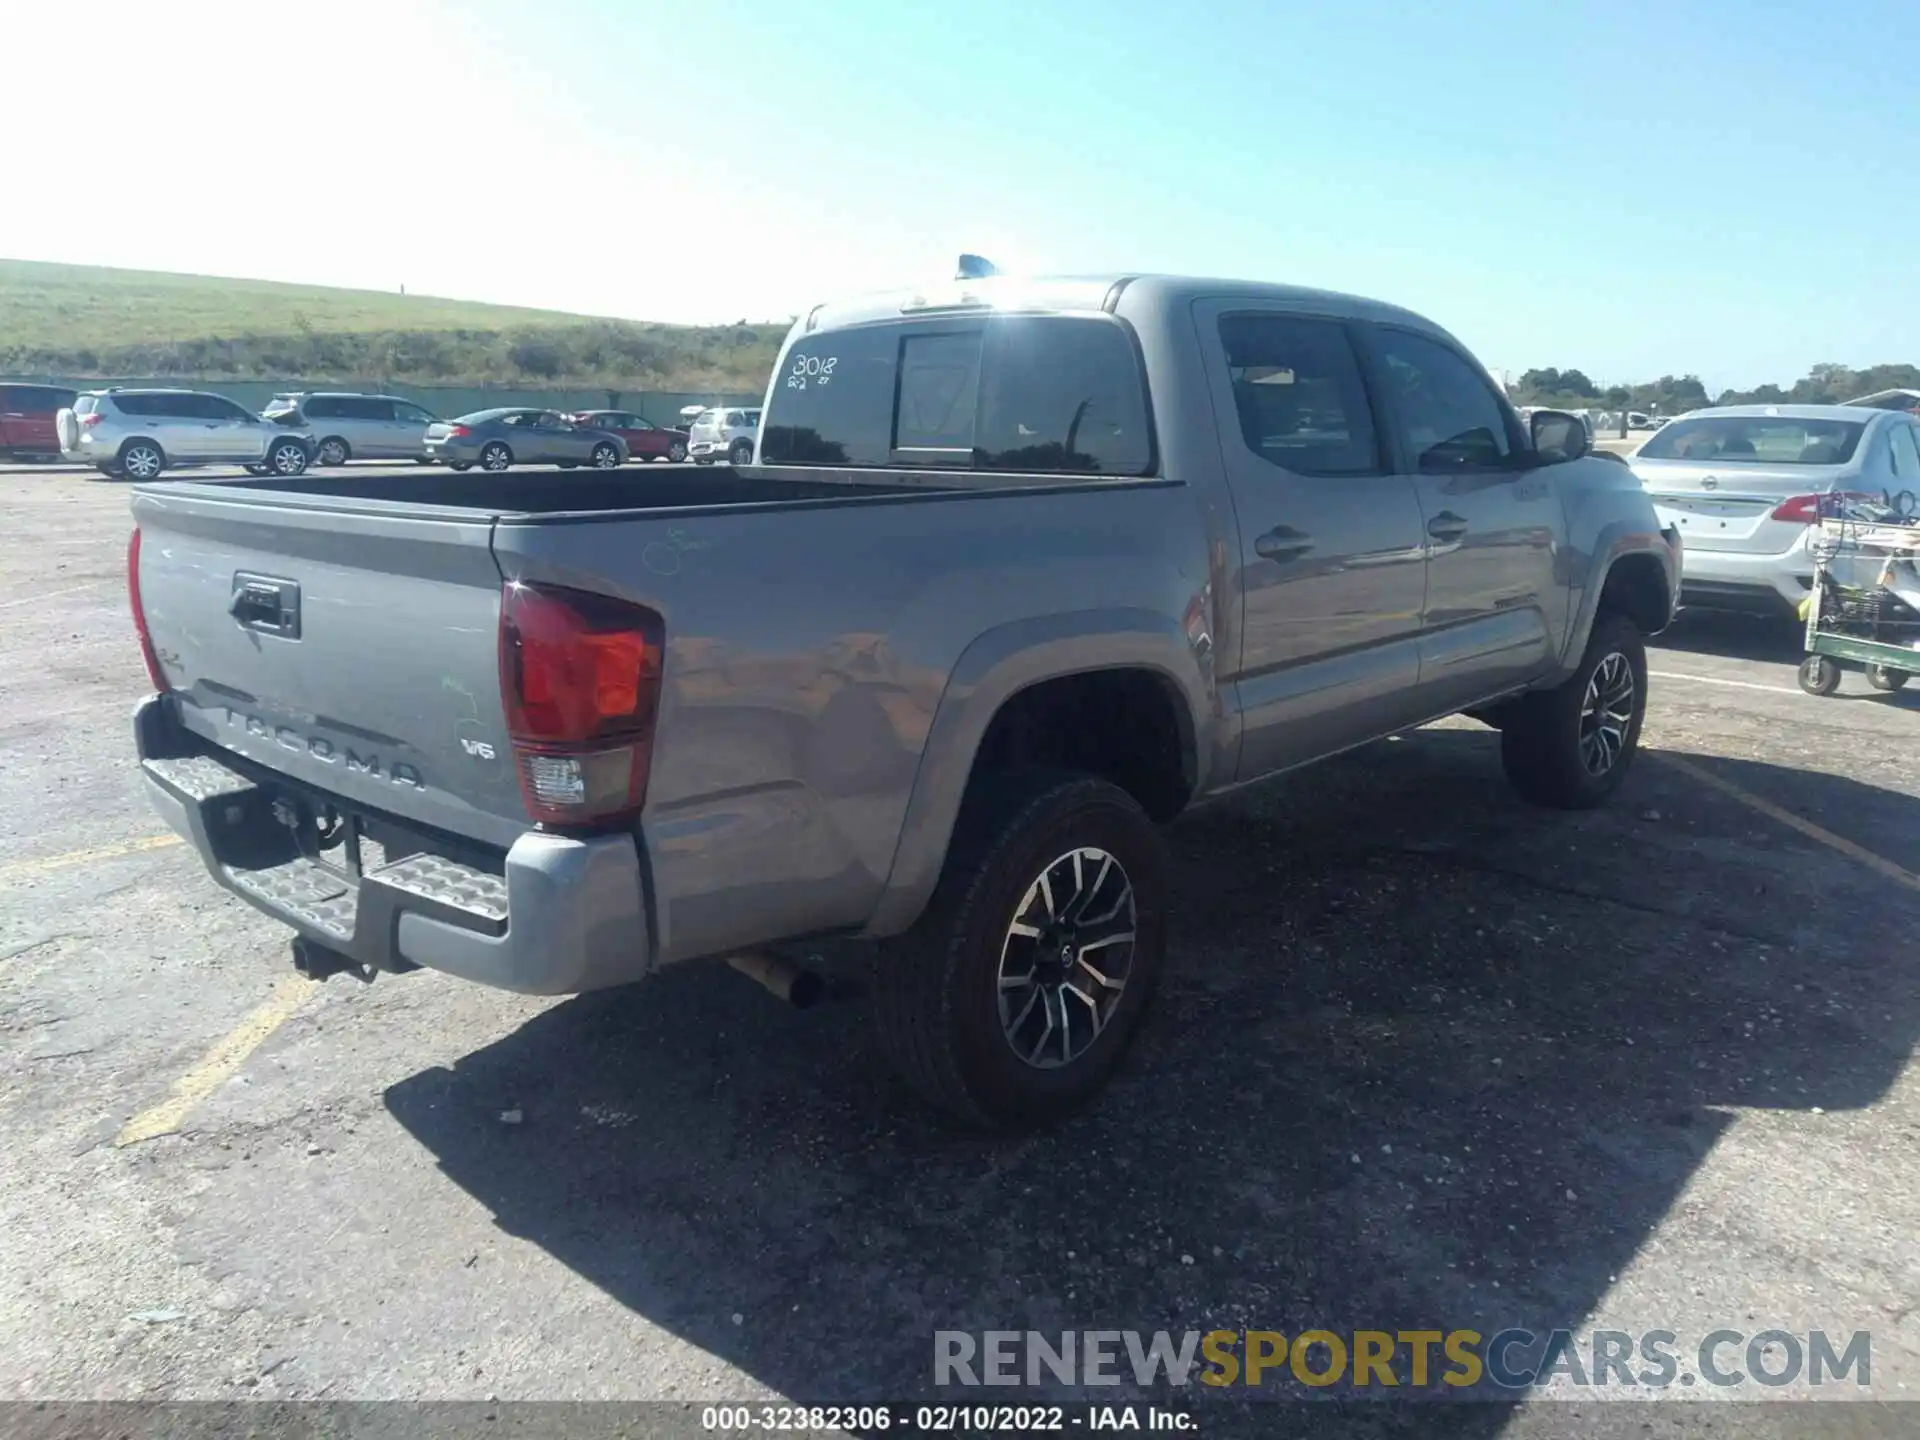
{"x": 92, "y": 418}
{"x": 580, "y": 680}
{"x": 458, "y": 432}
{"x": 147, "y": 654}
{"x": 1807, "y": 509}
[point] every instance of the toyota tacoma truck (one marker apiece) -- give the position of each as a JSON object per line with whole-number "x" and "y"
{"x": 1018, "y": 571}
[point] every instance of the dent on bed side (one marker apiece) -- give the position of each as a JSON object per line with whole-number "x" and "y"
{"x": 996, "y": 667}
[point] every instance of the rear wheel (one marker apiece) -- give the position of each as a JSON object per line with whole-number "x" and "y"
{"x": 333, "y": 451}
{"x": 676, "y": 452}
{"x": 1015, "y": 995}
{"x": 606, "y": 456}
{"x": 495, "y": 457}
{"x": 1819, "y": 675}
{"x": 141, "y": 459}
{"x": 1885, "y": 677}
{"x": 1570, "y": 747}
{"x": 741, "y": 453}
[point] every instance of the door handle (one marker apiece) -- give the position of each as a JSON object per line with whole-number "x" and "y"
{"x": 1447, "y": 526}
{"x": 1283, "y": 542}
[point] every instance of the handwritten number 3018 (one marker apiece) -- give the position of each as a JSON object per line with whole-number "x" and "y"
{"x": 811, "y": 369}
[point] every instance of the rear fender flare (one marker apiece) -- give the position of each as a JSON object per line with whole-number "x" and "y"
{"x": 997, "y": 665}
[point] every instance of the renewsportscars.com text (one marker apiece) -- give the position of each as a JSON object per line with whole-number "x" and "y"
{"x": 1461, "y": 1359}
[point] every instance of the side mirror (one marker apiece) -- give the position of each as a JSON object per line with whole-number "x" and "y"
{"x": 1558, "y": 436}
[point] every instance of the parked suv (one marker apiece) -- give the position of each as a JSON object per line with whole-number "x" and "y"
{"x": 27, "y": 416}
{"x": 367, "y": 427}
{"x": 139, "y": 433}
{"x": 725, "y": 433}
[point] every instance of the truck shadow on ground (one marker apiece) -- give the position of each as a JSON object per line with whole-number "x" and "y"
{"x": 1423, "y": 1058}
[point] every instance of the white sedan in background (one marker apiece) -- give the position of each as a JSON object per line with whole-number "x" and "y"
{"x": 1747, "y": 484}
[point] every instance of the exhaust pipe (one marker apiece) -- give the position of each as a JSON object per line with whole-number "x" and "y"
{"x": 799, "y": 987}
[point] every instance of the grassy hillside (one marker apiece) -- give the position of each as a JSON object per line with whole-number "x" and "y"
{"x": 87, "y": 321}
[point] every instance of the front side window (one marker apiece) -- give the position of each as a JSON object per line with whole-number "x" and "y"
{"x": 1756, "y": 440}
{"x": 1444, "y": 410}
{"x": 410, "y": 414}
{"x": 1299, "y": 395}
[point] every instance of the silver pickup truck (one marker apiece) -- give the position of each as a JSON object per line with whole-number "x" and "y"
{"x": 1021, "y": 569}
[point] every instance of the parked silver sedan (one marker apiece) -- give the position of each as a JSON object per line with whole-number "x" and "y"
{"x": 495, "y": 439}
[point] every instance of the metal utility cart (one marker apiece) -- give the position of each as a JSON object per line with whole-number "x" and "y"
{"x": 1865, "y": 603}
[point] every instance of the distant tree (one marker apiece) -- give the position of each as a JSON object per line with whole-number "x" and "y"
{"x": 1541, "y": 382}
{"x": 1617, "y": 395}
{"x": 1574, "y": 382}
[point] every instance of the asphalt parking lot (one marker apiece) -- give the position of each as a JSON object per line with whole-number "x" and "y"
{"x": 1424, "y": 1057}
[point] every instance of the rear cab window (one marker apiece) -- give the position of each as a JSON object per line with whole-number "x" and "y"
{"x": 1010, "y": 393}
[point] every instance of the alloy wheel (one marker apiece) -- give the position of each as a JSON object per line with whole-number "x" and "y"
{"x": 1065, "y": 958}
{"x": 1606, "y": 714}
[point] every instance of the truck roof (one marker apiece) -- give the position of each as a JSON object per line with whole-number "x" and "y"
{"x": 1058, "y": 293}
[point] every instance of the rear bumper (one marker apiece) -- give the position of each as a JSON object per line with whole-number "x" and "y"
{"x": 555, "y": 915}
{"x": 1734, "y": 579}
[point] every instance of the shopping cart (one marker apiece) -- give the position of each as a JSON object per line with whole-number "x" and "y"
{"x": 1864, "y": 607}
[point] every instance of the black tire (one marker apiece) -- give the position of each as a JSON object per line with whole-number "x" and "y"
{"x": 495, "y": 456}
{"x": 937, "y": 991}
{"x": 460, "y": 466}
{"x": 1557, "y": 753}
{"x": 741, "y": 453}
{"x": 606, "y": 456}
{"x": 287, "y": 458}
{"x": 677, "y": 451}
{"x": 141, "y": 460}
{"x": 1885, "y": 677}
{"x": 1819, "y": 675}
{"x": 332, "y": 451}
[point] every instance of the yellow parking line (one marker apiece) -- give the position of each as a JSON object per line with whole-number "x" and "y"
{"x": 81, "y": 857}
{"x": 217, "y": 1066}
{"x": 1877, "y": 863}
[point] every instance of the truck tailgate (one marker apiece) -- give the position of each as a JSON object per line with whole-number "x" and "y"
{"x": 352, "y": 648}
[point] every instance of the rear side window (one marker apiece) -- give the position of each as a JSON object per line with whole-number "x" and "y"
{"x": 1299, "y": 395}
{"x": 322, "y": 407}
{"x": 84, "y": 405}
{"x": 1025, "y": 393}
{"x": 369, "y": 409}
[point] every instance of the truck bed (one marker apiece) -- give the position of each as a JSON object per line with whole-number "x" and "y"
{"x": 550, "y": 492}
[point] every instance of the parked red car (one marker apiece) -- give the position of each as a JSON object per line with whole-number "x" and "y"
{"x": 27, "y": 412}
{"x": 645, "y": 440}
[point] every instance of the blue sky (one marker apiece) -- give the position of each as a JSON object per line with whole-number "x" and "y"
{"x": 1729, "y": 187}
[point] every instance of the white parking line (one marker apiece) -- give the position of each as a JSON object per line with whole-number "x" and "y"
{"x": 1735, "y": 684}
{"x": 50, "y": 594}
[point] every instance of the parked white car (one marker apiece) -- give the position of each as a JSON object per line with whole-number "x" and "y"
{"x": 1746, "y": 486}
{"x": 724, "y": 433}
